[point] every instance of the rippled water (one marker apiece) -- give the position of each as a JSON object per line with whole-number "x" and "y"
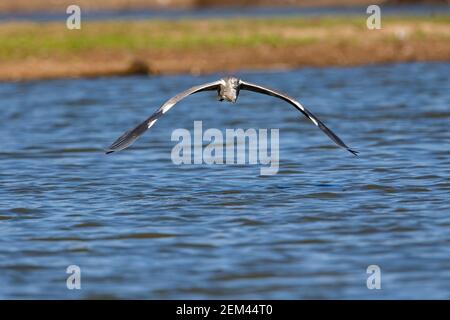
{"x": 139, "y": 226}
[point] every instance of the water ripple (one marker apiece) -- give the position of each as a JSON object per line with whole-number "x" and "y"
{"x": 141, "y": 227}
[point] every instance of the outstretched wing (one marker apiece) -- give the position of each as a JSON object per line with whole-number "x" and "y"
{"x": 130, "y": 136}
{"x": 256, "y": 88}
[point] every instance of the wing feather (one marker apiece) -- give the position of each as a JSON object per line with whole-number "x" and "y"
{"x": 260, "y": 89}
{"x": 132, "y": 135}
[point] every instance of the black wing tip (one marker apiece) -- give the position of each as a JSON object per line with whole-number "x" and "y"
{"x": 109, "y": 151}
{"x": 355, "y": 153}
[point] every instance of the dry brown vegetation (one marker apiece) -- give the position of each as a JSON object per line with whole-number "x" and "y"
{"x": 49, "y": 50}
{"x": 61, "y": 5}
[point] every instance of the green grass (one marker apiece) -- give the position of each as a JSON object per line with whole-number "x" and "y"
{"x": 22, "y": 40}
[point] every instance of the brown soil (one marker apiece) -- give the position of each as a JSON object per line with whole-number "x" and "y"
{"x": 228, "y": 61}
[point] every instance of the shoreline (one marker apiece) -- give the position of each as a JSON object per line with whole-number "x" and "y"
{"x": 32, "y": 51}
{"x": 52, "y": 70}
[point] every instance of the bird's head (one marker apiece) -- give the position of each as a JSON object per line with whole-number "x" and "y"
{"x": 232, "y": 82}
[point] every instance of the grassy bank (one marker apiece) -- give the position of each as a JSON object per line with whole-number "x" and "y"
{"x": 49, "y": 50}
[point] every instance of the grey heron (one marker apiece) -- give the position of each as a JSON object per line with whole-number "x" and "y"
{"x": 228, "y": 89}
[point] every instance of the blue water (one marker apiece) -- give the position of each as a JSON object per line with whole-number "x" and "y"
{"x": 136, "y": 14}
{"x": 140, "y": 226}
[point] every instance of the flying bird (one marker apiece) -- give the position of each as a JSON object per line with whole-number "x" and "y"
{"x": 228, "y": 90}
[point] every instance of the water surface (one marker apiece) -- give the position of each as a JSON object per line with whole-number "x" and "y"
{"x": 201, "y": 13}
{"x": 139, "y": 226}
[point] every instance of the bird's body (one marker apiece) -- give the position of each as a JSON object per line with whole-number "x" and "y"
{"x": 228, "y": 89}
